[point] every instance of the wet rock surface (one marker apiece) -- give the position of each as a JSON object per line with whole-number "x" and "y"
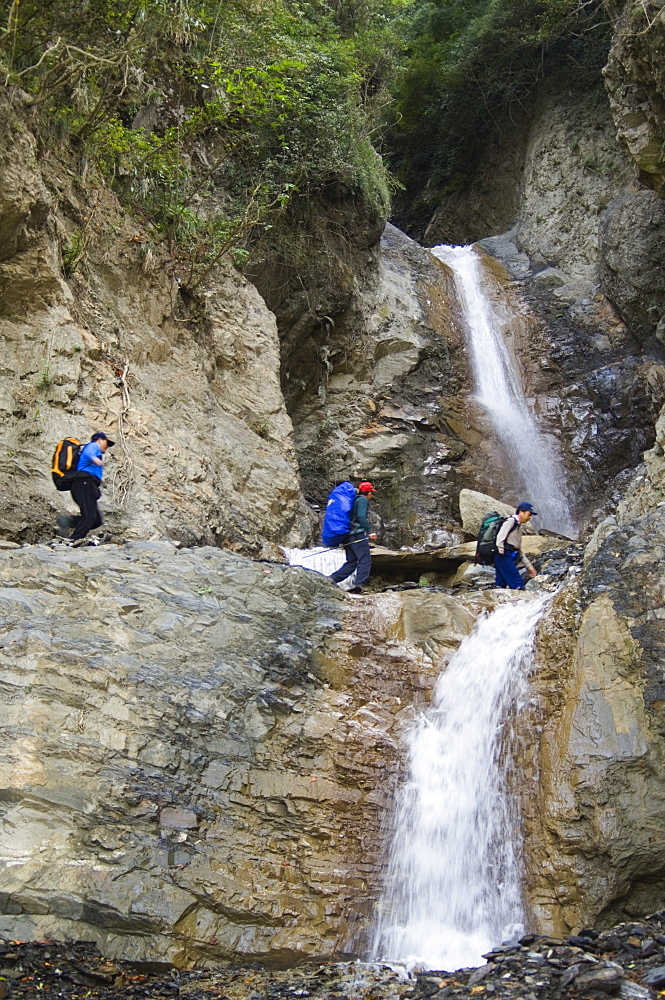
{"x": 623, "y": 961}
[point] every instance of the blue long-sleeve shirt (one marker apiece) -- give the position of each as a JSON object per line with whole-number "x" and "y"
{"x": 91, "y": 450}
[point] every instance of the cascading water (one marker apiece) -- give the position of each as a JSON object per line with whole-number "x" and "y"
{"x": 532, "y": 455}
{"x": 453, "y": 885}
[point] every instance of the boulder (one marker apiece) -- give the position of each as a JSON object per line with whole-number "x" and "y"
{"x": 605, "y": 980}
{"x": 475, "y": 506}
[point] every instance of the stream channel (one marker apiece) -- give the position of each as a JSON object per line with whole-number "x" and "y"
{"x": 453, "y": 888}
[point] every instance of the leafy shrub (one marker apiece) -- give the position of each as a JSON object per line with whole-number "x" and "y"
{"x": 209, "y": 116}
{"x": 466, "y": 65}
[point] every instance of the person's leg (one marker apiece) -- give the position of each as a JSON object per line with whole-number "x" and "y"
{"x": 348, "y": 567}
{"x": 499, "y": 578}
{"x": 85, "y": 495}
{"x": 364, "y": 560}
{"x": 506, "y": 569}
{"x": 98, "y": 519}
{"x": 65, "y": 523}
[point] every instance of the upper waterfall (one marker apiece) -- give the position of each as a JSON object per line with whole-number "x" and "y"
{"x": 534, "y": 457}
{"x": 454, "y": 889}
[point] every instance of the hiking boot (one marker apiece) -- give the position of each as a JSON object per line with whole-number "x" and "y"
{"x": 65, "y": 523}
{"x": 356, "y": 590}
{"x": 78, "y": 542}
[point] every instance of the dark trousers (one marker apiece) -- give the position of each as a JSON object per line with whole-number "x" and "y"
{"x": 86, "y": 493}
{"x": 358, "y": 558}
{"x": 507, "y": 573}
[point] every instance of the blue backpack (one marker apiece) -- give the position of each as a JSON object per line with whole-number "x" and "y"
{"x": 337, "y": 518}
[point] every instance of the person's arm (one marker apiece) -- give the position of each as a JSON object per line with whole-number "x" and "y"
{"x": 361, "y": 512}
{"x": 90, "y": 454}
{"x": 531, "y": 569}
{"x": 504, "y": 531}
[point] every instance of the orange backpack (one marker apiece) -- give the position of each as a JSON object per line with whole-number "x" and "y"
{"x": 65, "y": 463}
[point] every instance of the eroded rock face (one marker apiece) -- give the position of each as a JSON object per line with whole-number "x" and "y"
{"x": 635, "y": 80}
{"x": 572, "y": 169}
{"x": 633, "y": 261}
{"x": 598, "y": 823}
{"x": 198, "y": 750}
{"x": 204, "y": 443}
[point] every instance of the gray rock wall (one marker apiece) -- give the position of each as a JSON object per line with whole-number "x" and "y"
{"x": 634, "y": 254}
{"x": 597, "y": 823}
{"x": 635, "y": 79}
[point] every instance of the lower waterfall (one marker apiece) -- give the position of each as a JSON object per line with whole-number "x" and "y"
{"x": 453, "y": 887}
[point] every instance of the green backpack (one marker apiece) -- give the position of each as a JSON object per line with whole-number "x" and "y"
{"x": 486, "y": 543}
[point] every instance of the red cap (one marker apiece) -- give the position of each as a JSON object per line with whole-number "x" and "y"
{"x": 366, "y": 488}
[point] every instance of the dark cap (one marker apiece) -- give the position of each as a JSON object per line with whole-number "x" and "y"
{"x": 100, "y": 435}
{"x": 526, "y": 506}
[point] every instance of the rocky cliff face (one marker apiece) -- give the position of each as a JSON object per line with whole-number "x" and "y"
{"x": 633, "y": 268}
{"x": 370, "y": 354}
{"x": 635, "y": 80}
{"x": 588, "y": 277}
{"x": 386, "y": 399}
{"x": 190, "y": 390}
{"x": 386, "y": 391}
{"x": 597, "y": 823}
{"x": 198, "y": 750}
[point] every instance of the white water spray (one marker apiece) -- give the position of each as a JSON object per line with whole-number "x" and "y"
{"x": 453, "y": 885}
{"x": 322, "y": 560}
{"x": 533, "y": 456}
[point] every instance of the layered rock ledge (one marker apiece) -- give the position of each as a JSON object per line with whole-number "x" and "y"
{"x": 198, "y": 749}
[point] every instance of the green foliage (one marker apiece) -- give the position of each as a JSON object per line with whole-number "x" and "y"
{"x": 209, "y": 116}
{"x": 73, "y": 252}
{"x": 44, "y": 378}
{"x": 467, "y": 65}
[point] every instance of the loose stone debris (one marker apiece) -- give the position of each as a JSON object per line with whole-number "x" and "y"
{"x": 626, "y": 961}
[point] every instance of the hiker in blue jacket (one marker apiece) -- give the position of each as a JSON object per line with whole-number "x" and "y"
{"x": 356, "y": 547}
{"x": 508, "y": 549}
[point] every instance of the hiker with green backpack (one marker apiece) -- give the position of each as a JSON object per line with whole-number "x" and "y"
{"x": 500, "y": 544}
{"x": 509, "y": 553}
